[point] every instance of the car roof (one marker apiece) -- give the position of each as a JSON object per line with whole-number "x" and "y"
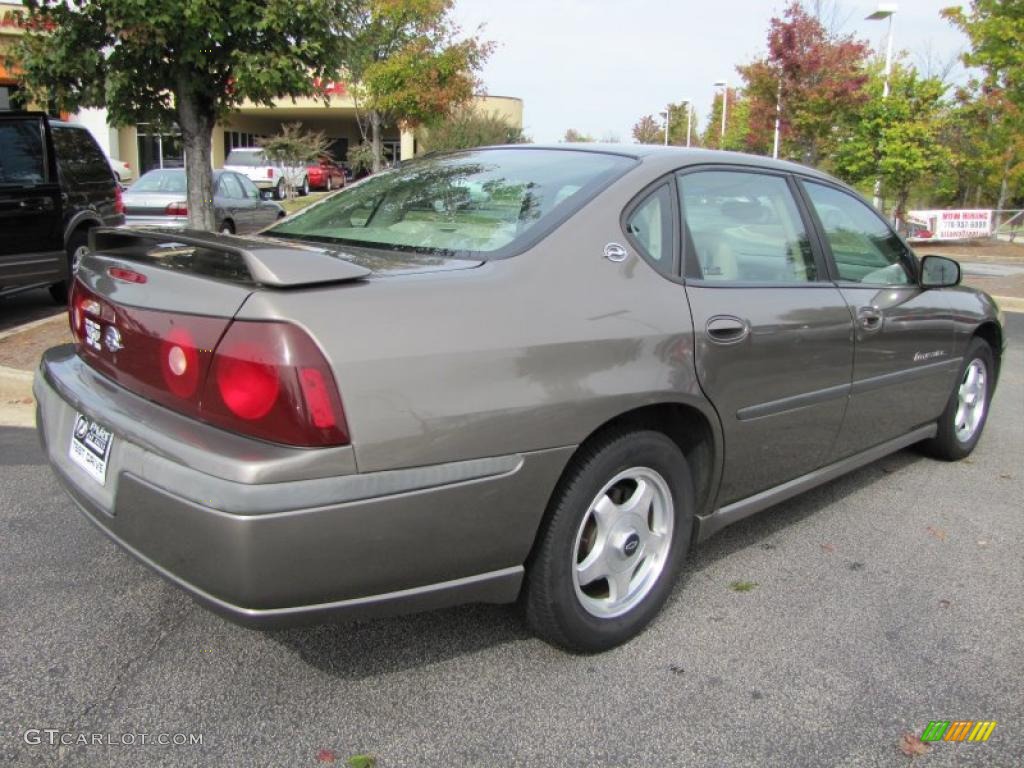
{"x": 675, "y": 157}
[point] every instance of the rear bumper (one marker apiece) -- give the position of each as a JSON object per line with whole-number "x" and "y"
{"x": 170, "y": 222}
{"x": 299, "y": 543}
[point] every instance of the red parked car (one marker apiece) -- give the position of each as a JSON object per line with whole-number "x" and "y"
{"x": 325, "y": 174}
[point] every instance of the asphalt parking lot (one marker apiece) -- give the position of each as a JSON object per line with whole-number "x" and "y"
{"x": 883, "y": 600}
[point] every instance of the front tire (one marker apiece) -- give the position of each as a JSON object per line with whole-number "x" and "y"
{"x": 618, "y": 531}
{"x": 962, "y": 422}
{"x": 304, "y": 189}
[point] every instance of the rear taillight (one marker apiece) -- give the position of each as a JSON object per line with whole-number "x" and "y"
{"x": 118, "y": 199}
{"x": 270, "y": 173}
{"x": 269, "y": 380}
{"x": 179, "y": 208}
{"x": 263, "y": 379}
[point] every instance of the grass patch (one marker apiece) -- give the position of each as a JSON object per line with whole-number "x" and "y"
{"x": 742, "y": 586}
{"x": 297, "y": 203}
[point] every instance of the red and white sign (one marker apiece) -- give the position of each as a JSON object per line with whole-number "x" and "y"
{"x": 954, "y": 225}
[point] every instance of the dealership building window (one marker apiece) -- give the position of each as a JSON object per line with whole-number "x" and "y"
{"x": 159, "y": 149}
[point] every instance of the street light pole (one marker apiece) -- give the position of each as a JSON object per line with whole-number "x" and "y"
{"x": 667, "y": 113}
{"x": 885, "y": 11}
{"x": 724, "y": 85}
{"x": 778, "y": 120}
{"x": 689, "y": 119}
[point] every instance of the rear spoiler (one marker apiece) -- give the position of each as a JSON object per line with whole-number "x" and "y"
{"x": 268, "y": 264}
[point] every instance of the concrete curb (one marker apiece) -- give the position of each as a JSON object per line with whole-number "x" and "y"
{"x": 17, "y": 406}
{"x": 1010, "y": 303}
{"x": 34, "y": 324}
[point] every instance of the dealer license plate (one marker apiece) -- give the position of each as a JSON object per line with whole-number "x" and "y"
{"x": 90, "y": 447}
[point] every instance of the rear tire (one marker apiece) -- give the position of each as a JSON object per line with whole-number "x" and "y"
{"x": 279, "y": 190}
{"x": 624, "y": 508}
{"x": 227, "y": 228}
{"x": 963, "y": 420}
{"x": 77, "y": 248}
{"x": 304, "y": 189}
{"x": 330, "y": 183}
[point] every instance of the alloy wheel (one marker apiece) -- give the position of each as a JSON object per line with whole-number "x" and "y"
{"x": 623, "y": 542}
{"x": 972, "y": 399}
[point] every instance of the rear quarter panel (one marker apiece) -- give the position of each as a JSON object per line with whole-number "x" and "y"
{"x": 526, "y": 353}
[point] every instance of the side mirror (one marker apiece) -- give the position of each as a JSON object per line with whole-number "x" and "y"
{"x": 939, "y": 272}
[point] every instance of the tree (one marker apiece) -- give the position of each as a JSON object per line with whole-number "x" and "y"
{"x": 189, "y": 62}
{"x": 294, "y": 147}
{"x": 737, "y": 123}
{"x": 647, "y": 130}
{"x": 996, "y": 31}
{"x": 572, "y": 136}
{"x": 896, "y": 139}
{"x": 468, "y": 127}
{"x": 407, "y": 65}
{"x": 818, "y": 78}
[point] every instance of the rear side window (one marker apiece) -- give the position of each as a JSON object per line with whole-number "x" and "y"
{"x": 650, "y": 225}
{"x": 475, "y": 202}
{"x": 22, "y": 152}
{"x": 864, "y": 248}
{"x": 79, "y": 157}
{"x": 745, "y": 227}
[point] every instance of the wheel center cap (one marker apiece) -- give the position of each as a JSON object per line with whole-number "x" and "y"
{"x": 629, "y": 546}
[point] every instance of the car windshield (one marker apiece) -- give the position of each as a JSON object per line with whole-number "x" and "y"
{"x": 161, "y": 181}
{"x": 246, "y": 159}
{"x": 475, "y": 202}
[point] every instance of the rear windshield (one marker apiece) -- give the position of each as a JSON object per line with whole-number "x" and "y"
{"x": 246, "y": 158}
{"x": 161, "y": 181}
{"x": 478, "y": 202}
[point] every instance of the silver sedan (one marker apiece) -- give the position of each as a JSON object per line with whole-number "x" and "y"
{"x": 158, "y": 199}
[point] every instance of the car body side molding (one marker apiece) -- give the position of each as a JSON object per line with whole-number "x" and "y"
{"x": 731, "y": 513}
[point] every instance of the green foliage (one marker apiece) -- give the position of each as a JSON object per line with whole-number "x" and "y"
{"x": 362, "y": 761}
{"x": 294, "y": 146}
{"x": 896, "y": 139}
{"x": 408, "y": 64}
{"x": 468, "y": 127}
{"x": 189, "y": 62}
{"x": 572, "y": 136}
{"x": 361, "y": 157}
{"x": 737, "y": 123}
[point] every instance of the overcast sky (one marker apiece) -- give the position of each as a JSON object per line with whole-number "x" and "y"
{"x": 598, "y": 65}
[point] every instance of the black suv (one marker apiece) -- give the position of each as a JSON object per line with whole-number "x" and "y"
{"x": 55, "y": 185}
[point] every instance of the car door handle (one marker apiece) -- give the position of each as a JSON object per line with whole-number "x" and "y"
{"x": 36, "y": 204}
{"x": 869, "y": 318}
{"x": 726, "y": 329}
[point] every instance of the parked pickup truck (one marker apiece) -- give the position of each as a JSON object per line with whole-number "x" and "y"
{"x": 55, "y": 185}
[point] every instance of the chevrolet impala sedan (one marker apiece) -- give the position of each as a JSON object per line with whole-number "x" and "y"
{"x": 509, "y": 374}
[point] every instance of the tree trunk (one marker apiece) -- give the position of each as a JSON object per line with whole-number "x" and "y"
{"x": 196, "y": 125}
{"x": 378, "y": 149}
{"x": 1004, "y": 186}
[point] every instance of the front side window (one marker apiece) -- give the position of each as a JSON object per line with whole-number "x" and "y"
{"x": 863, "y": 246}
{"x": 229, "y": 187}
{"x": 745, "y": 227}
{"x": 475, "y": 202}
{"x": 650, "y": 224}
